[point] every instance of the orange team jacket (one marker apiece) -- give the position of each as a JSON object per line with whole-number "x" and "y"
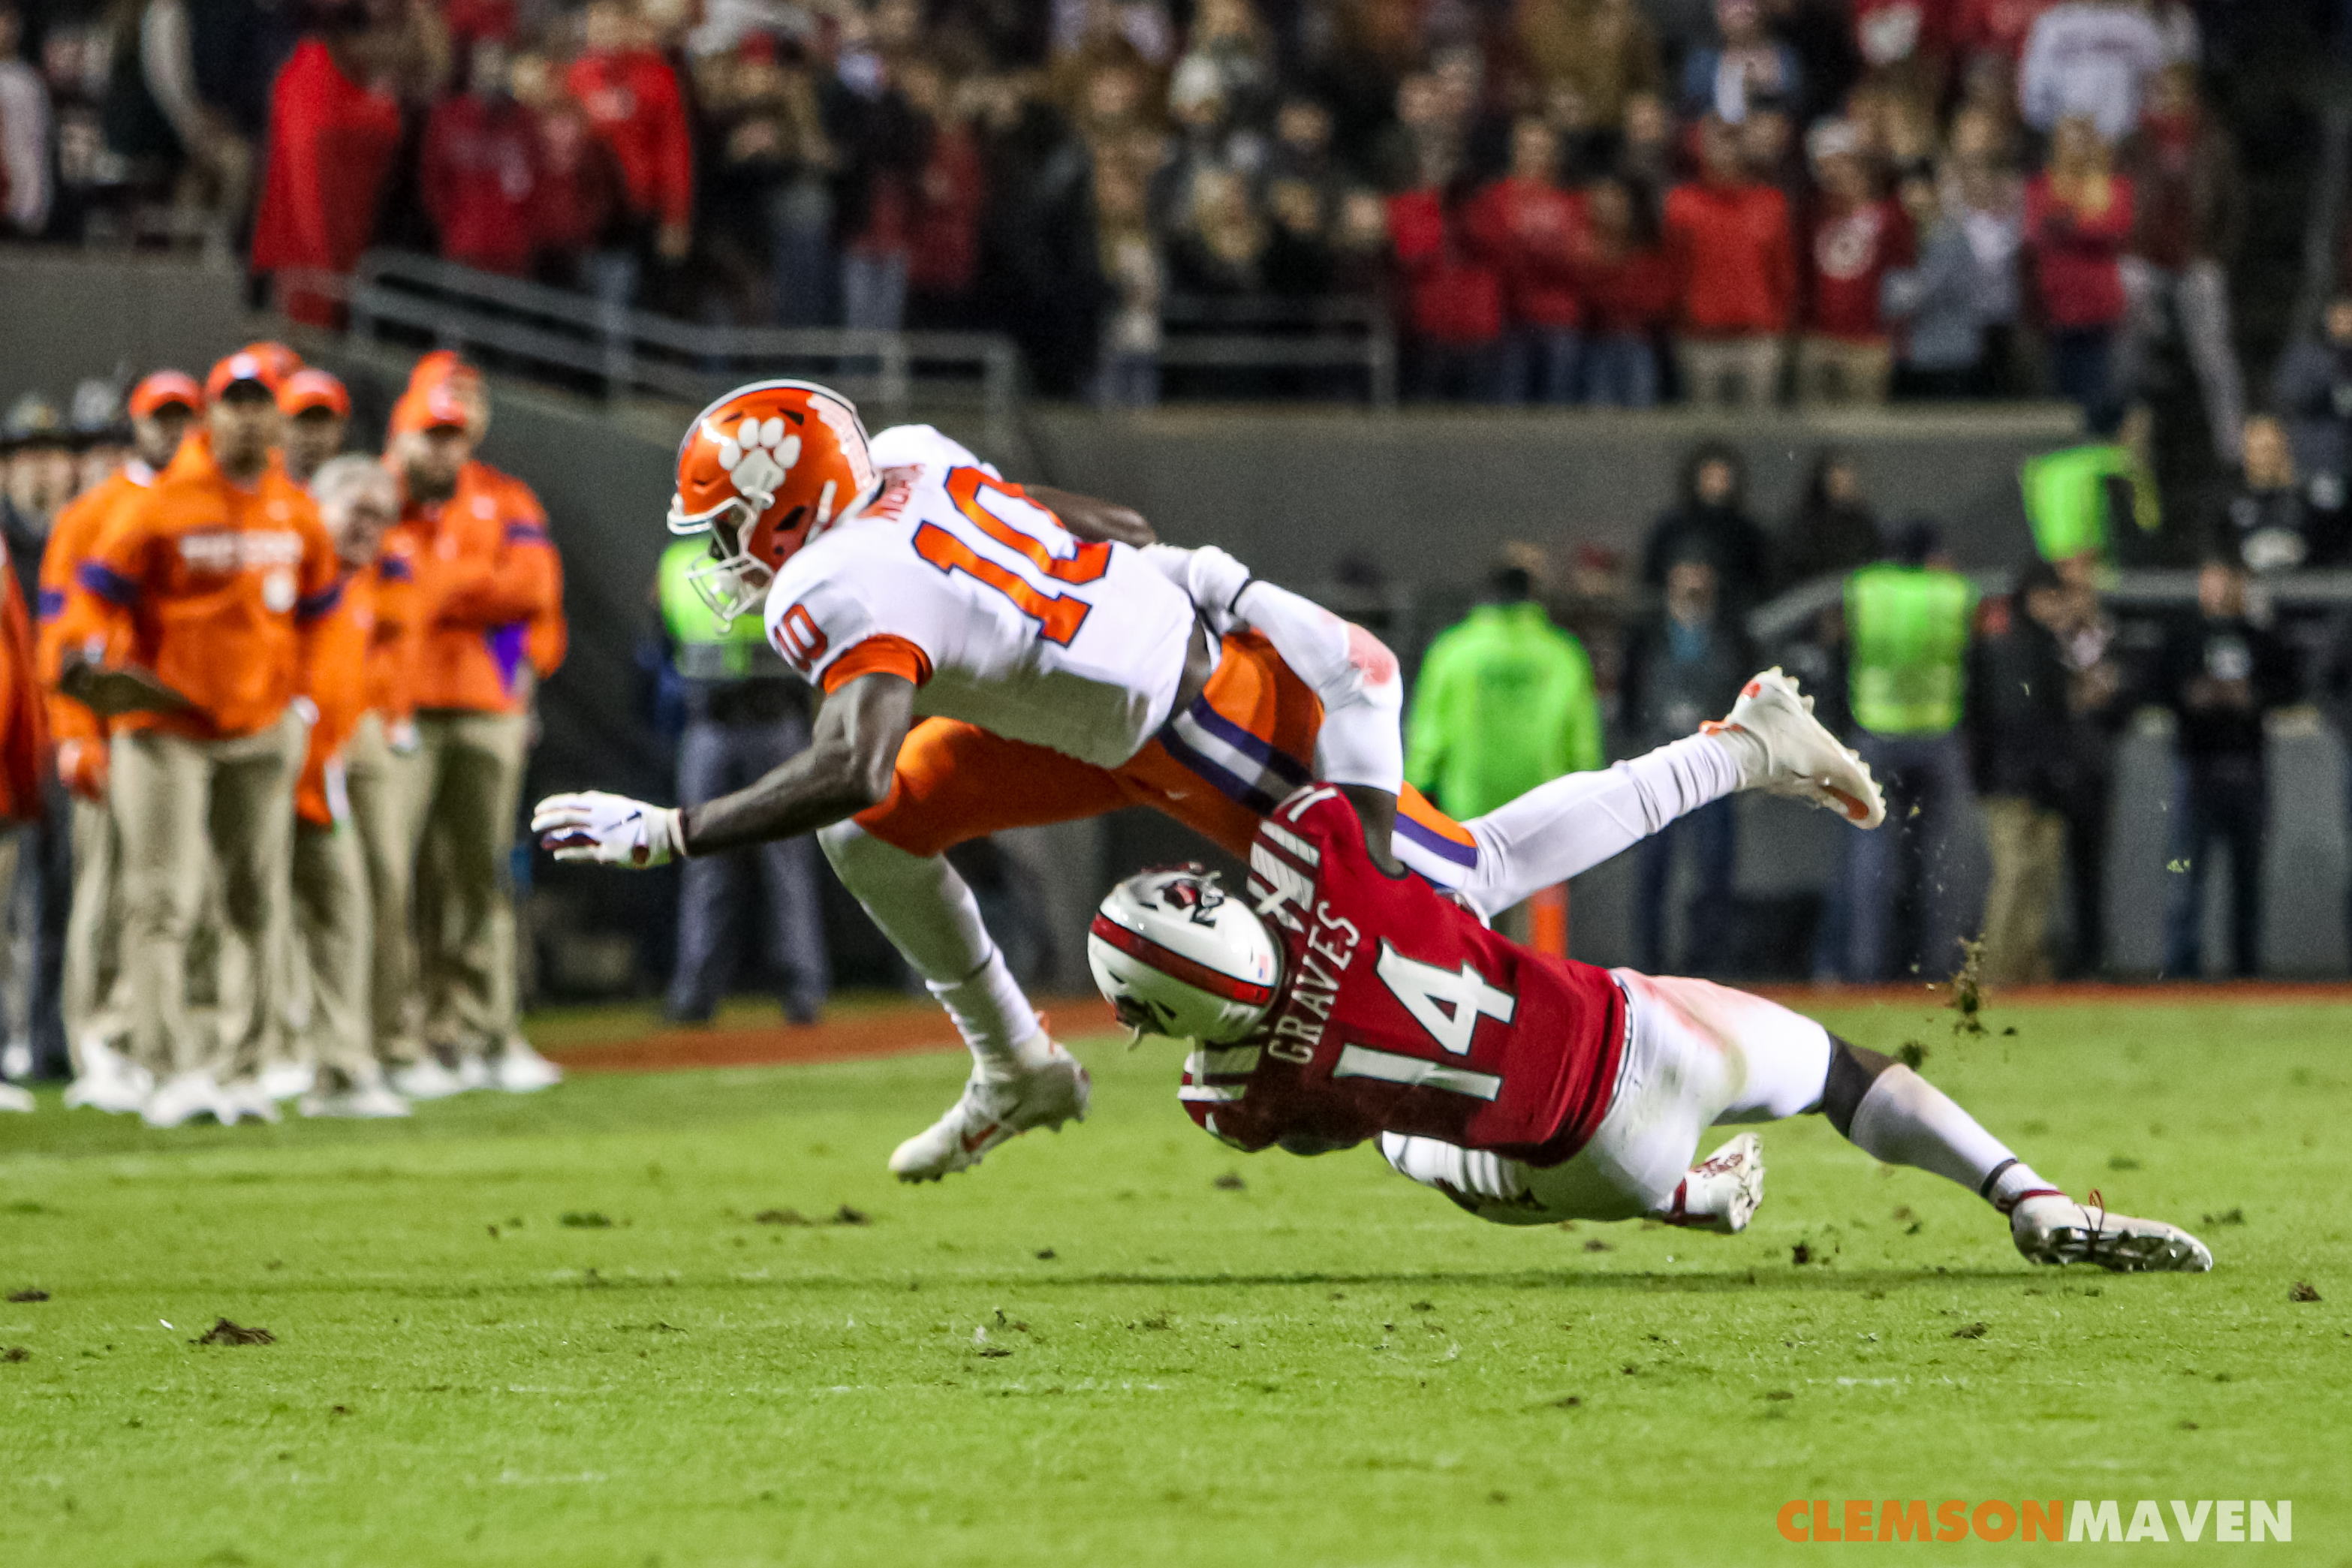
{"x": 216, "y": 587}
{"x": 71, "y": 539}
{"x": 363, "y": 661}
{"x": 485, "y": 571}
{"x": 548, "y": 637}
{"x": 24, "y": 734}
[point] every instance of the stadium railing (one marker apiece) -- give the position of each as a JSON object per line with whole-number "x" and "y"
{"x": 1288, "y": 338}
{"x": 555, "y": 333}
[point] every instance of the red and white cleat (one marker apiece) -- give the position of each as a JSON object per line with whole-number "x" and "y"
{"x": 1801, "y": 759}
{"x": 994, "y": 1109}
{"x": 2050, "y": 1228}
{"x": 1722, "y": 1191}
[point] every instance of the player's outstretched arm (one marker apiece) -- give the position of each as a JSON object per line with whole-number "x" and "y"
{"x": 847, "y": 767}
{"x": 1093, "y": 520}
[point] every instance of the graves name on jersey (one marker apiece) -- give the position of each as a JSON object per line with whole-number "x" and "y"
{"x": 1399, "y": 1012}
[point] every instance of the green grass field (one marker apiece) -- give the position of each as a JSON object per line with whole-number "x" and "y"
{"x": 555, "y": 1330}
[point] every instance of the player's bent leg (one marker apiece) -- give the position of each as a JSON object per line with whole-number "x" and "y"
{"x": 1487, "y": 1184}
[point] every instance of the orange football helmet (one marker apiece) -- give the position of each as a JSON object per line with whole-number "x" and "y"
{"x": 764, "y": 470}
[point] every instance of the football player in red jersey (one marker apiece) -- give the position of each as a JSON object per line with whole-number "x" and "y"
{"x": 1341, "y": 999}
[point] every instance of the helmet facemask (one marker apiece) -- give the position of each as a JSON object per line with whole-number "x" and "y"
{"x": 732, "y": 581}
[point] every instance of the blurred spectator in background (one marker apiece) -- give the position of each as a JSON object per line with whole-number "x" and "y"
{"x": 630, "y": 97}
{"x": 480, "y": 169}
{"x": 2313, "y": 389}
{"x": 333, "y": 133}
{"x": 358, "y": 502}
{"x": 2018, "y": 723}
{"x": 1834, "y": 530}
{"x": 2078, "y": 214}
{"x": 2189, "y": 204}
{"x": 2331, "y": 686}
{"x": 1936, "y": 305}
{"x": 884, "y": 145}
{"x": 767, "y": 176}
{"x": 2221, "y": 674}
{"x": 1744, "y": 64}
{"x": 1129, "y": 376}
{"x": 579, "y": 179}
{"x": 1712, "y": 521}
{"x": 2078, "y": 498}
{"x": 1218, "y": 250}
{"x": 745, "y": 716}
{"x": 2269, "y": 522}
{"x": 24, "y": 133}
{"x": 1858, "y": 236}
{"x": 37, "y": 882}
{"x": 1589, "y": 58}
{"x": 1505, "y": 701}
{"x": 1908, "y": 622}
{"x": 1531, "y": 231}
{"x": 1978, "y": 188}
{"x": 950, "y": 188}
{"x": 1629, "y": 297}
{"x": 318, "y": 412}
{"x": 1734, "y": 259}
{"x": 22, "y": 746}
{"x": 2090, "y": 58}
{"x": 1454, "y": 299}
{"x": 2097, "y": 709}
{"x": 1681, "y": 665}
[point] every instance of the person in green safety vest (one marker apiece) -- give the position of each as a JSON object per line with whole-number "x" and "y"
{"x": 745, "y": 716}
{"x": 2075, "y": 497}
{"x": 1909, "y": 621}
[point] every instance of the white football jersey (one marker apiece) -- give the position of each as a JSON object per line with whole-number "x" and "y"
{"x": 1029, "y": 634}
{"x": 922, "y": 447}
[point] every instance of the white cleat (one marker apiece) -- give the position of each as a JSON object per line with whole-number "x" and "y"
{"x": 184, "y": 1098}
{"x": 110, "y": 1081}
{"x": 289, "y": 1080}
{"x": 2050, "y": 1228}
{"x": 992, "y": 1111}
{"x": 427, "y": 1079}
{"x": 519, "y": 1070}
{"x": 1722, "y": 1191}
{"x": 473, "y": 1073}
{"x": 372, "y": 1101}
{"x": 246, "y": 1099}
{"x": 1803, "y": 759}
{"x": 14, "y": 1099}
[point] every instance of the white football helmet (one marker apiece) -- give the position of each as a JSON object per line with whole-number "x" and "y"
{"x": 1176, "y": 955}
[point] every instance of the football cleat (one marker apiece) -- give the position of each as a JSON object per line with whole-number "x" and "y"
{"x": 110, "y": 1081}
{"x": 426, "y": 1078}
{"x": 2050, "y": 1228}
{"x": 993, "y": 1111}
{"x": 519, "y": 1070}
{"x": 1801, "y": 759}
{"x": 1722, "y": 1191}
{"x": 185, "y": 1097}
{"x": 14, "y": 1099}
{"x": 245, "y": 1099}
{"x": 369, "y": 1101}
{"x": 289, "y": 1080}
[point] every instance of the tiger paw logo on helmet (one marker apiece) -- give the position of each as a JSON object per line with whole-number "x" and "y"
{"x": 756, "y": 457}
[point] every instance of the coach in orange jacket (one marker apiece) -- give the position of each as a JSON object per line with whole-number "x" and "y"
{"x": 202, "y": 597}
{"x": 358, "y": 680}
{"x": 162, "y": 407}
{"x": 486, "y": 572}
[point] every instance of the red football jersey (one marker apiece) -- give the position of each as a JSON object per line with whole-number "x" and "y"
{"x": 1399, "y": 1012}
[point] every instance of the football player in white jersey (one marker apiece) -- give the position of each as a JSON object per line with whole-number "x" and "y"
{"x": 988, "y": 663}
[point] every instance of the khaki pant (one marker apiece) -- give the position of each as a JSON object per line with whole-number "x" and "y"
{"x": 89, "y": 995}
{"x": 331, "y": 930}
{"x": 2029, "y": 849}
{"x": 467, "y": 785}
{"x": 1833, "y": 370}
{"x": 381, "y": 784}
{"x": 183, "y": 807}
{"x": 1730, "y": 372}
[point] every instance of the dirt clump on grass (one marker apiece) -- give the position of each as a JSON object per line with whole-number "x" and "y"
{"x": 224, "y": 1332}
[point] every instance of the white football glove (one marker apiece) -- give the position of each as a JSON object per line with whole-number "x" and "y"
{"x": 609, "y": 830}
{"x": 1209, "y": 578}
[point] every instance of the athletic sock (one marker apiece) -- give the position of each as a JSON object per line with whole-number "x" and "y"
{"x": 2013, "y": 1183}
{"x": 1905, "y": 1120}
{"x": 1748, "y": 753}
{"x": 991, "y": 1015}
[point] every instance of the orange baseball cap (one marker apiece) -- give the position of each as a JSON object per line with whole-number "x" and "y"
{"x": 311, "y": 388}
{"x": 435, "y": 405}
{"x": 440, "y": 365}
{"x": 162, "y": 390}
{"x": 243, "y": 366}
{"x": 281, "y": 358}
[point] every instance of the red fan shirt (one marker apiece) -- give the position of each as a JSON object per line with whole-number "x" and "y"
{"x": 1399, "y": 1012}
